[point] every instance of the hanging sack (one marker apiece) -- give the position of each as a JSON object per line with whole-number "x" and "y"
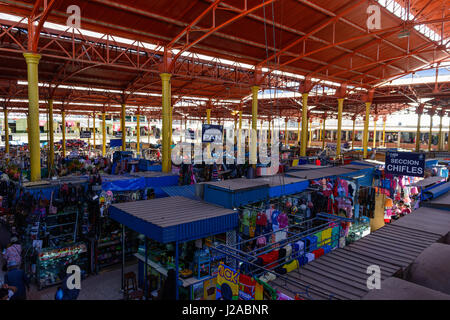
{"x": 52, "y": 209}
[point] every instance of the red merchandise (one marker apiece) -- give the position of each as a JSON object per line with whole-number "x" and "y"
{"x": 270, "y": 257}
{"x": 318, "y": 253}
{"x": 261, "y": 219}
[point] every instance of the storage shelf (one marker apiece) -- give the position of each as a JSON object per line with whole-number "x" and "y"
{"x": 60, "y": 225}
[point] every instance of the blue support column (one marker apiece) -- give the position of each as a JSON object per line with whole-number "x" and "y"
{"x": 176, "y": 271}
{"x": 145, "y": 270}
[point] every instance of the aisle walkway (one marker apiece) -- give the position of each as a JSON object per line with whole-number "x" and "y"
{"x": 104, "y": 286}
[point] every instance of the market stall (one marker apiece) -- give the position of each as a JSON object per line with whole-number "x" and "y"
{"x": 176, "y": 221}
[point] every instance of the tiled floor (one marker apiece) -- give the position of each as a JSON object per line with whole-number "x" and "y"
{"x": 104, "y": 286}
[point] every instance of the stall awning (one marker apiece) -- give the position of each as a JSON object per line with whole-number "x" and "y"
{"x": 427, "y": 182}
{"x": 174, "y": 218}
{"x": 319, "y": 173}
{"x": 187, "y": 191}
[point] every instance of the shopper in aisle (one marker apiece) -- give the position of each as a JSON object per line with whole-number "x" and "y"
{"x": 13, "y": 253}
{"x": 16, "y": 277}
{"x": 6, "y": 292}
{"x": 169, "y": 290}
{"x": 63, "y": 292}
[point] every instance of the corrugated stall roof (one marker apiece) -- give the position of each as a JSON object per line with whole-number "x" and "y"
{"x": 182, "y": 191}
{"x": 174, "y": 218}
{"x": 426, "y": 219}
{"x": 427, "y": 181}
{"x": 442, "y": 202}
{"x": 342, "y": 273}
{"x": 151, "y": 174}
{"x": 319, "y": 173}
{"x": 239, "y": 184}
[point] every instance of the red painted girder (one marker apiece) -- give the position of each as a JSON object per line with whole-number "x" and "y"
{"x": 207, "y": 34}
{"x": 315, "y": 30}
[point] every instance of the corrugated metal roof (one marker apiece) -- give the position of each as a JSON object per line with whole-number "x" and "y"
{"x": 319, "y": 173}
{"x": 182, "y": 191}
{"x": 428, "y": 181}
{"x": 150, "y": 174}
{"x": 426, "y": 220}
{"x": 342, "y": 274}
{"x": 174, "y": 218}
{"x": 239, "y": 184}
{"x": 279, "y": 180}
{"x": 442, "y": 202}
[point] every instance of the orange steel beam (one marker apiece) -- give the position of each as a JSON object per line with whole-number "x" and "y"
{"x": 357, "y": 27}
{"x": 207, "y": 34}
{"x": 33, "y": 30}
{"x": 395, "y": 29}
{"x": 186, "y": 30}
{"x": 315, "y": 30}
{"x": 392, "y": 59}
{"x": 346, "y": 55}
{"x": 428, "y": 67}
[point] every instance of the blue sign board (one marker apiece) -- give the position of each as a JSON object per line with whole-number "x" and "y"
{"x": 211, "y": 133}
{"x": 85, "y": 134}
{"x": 115, "y": 143}
{"x": 405, "y": 164}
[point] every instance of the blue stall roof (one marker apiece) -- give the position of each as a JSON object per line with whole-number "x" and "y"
{"x": 187, "y": 191}
{"x": 307, "y": 166}
{"x": 280, "y": 185}
{"x": 174, "y": 218}
{"x": 319, "y": 173}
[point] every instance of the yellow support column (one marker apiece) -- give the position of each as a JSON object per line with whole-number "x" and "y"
{"x": 286, "y": 131}
{"x": 5, "y": 111}
{"x": 298, "y": 131}
{"x": 138, "y": 133}
{"x": 166, "y": 126}
{"x": 366, "y": 130}
{"x": 304, "y": 133}
{"x": 353, "y": 132}
{"x": 323, "y": 134}
{"x": 103, "y": 134}
{"x": 240, "y": 132}
{"x": 339, "y": 126}
{"x": 440, "y": 140}
{"x": 254, "y": 137}
{"x": 384, "y": 132}
{"x": 430, "y": 138}
{"x": 374, "y": 144}
{"x": 448, "y": 140}
{"x": 88, "y": 128}
{"x": 93, "y": 127}
{"x": 208, "y": 116}
{"x": 32, "y": 60}
{"x": 208, "y": 121}
{"x": 319, "y": 138}
{"x": 310, "y": 132}
{"x": 419, "y": 116}
{"x": 51, "y": 148}
{"x": 63, "y": 124}
{"x": 122, "y": 127}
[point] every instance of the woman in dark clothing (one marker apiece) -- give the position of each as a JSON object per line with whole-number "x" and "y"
{"x": 169, "y": 289}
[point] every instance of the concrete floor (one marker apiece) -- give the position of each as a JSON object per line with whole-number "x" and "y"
{"x": 104, "y": 286}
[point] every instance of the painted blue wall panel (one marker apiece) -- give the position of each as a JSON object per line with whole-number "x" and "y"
{"x": 288, "y": 189}
{"x": 183, "y": 232}
{"x": 234, "y": 199}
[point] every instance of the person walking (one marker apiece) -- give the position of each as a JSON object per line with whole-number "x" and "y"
{"x": 13, "y": 252}
{"x": 16, "y": 277}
